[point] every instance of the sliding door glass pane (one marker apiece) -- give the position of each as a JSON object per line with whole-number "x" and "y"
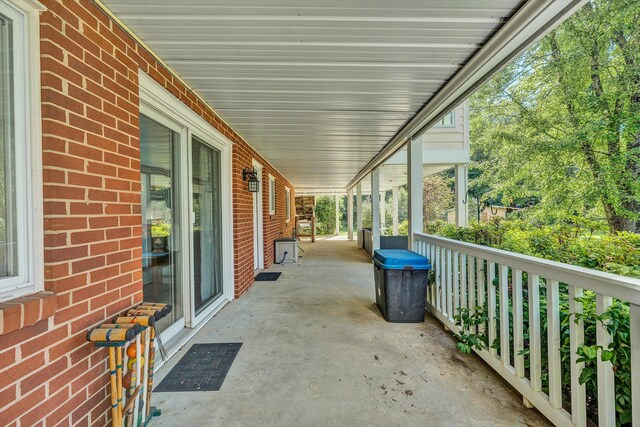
{"x": 162, "y": 255}
{"x": 8, "y": 226}
{"x": 207, "y": 225}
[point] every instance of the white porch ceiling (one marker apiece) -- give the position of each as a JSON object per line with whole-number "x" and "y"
{"x": 317, "y": 87}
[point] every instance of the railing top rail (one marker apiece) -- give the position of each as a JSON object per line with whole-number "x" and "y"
{"x": 621, "y": 287}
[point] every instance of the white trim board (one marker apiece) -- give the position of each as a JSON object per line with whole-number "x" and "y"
{"x": 258, "y": 200}
{"x": 272, "y": 193}
{"x": 25, "y": 15}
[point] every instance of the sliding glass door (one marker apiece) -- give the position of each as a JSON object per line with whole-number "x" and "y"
{"x": 207, "y": 224}
{"x": 186, "y": 198}
{"x": 162, "y": 257}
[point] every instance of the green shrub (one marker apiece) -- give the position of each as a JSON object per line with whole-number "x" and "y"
{"x": 161, "y": 230}
{"x": 574, "y": 243}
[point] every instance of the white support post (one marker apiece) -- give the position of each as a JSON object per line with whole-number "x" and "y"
{"x": 383, "y": 210}
{"x": 375, "y": 207}
{"x": 394, "y": 192}
{"x": 359, "y": 213}
{"x": 461, "y": 184}
{"x": 350, "y": 214}
{"x": 414, "y": 175}
{"x": 337, "y": 215}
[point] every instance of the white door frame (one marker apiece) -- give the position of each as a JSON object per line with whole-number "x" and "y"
{"x": 160, "y": 105}
{"x": 258, "y": 239}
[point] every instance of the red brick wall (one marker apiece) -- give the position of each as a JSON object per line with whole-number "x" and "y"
{"x": 49, "y": 374}
{"x": 274, "y": 226}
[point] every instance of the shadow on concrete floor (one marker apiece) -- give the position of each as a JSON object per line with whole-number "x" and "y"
{"x": 316, "y": 352}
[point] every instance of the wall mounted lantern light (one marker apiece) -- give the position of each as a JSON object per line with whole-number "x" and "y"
{"x": 250, "y": 175}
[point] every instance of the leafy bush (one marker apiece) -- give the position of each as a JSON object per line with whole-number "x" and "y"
{"x": 616, "y": 321}
{"x": 572, "y": 243}
{"x": 162, "y": 229}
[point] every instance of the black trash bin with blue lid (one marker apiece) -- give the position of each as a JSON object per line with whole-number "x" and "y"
{"x": 401, "y": 278}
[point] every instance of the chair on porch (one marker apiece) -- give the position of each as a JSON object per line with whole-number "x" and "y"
{"x": 306, "y": 227}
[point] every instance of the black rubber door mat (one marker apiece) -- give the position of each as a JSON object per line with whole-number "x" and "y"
{"x": 203, "y": 368}
{"x": 267, "y": 277}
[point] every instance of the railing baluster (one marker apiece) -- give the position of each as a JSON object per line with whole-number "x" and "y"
{"x": 535, "y": 359}
{"x": 456, "y": 284}
{"x": 464, "y": 298}
{"x": 491, "y": 294}
{"x": 505, "y": 350}
{"x": 518, "y": 322}
{"x": 553, "y": 333}
{"x": 432, "y": 286}
{"x": 436, "y": 269}
{"x": 461, "y": 279}
{"x": 480, "y": 288}
{"x": 450, "y": 284}
{"x": 471, "y": 289}
{"x": 576, "y": 334}
{"x": 634, "y": 312}
{"x": 443, "y": 281}
{"x": 606, "y": 390}
{"x": 424, "y": 248}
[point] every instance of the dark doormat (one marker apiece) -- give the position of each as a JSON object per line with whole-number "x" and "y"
{"x": 203, "y": 368}
{"x": 267, "y": 277}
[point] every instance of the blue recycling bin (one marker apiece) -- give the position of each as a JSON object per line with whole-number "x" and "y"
{"x": 401, "y": 280}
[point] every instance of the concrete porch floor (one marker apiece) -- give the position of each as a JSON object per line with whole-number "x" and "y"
{"x": 316, "y": 352}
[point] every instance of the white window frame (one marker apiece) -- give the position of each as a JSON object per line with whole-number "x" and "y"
{"x": 25, "y": 16}
{"x": 450, "y": 116}
{"x": 272, "y": 195}
{"x": 287, "y": 203}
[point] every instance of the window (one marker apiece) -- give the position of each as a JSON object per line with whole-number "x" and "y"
{"x": 448, "y": 121}
{"x": 272, "y": 195}
{"x": 287, "y": 203}
{"x": 20, "y": 151}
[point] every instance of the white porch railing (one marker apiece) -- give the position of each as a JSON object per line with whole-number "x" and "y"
{"x": 464, "y": 277}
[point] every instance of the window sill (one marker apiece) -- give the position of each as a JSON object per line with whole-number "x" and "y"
{"x": 26, "y": 311}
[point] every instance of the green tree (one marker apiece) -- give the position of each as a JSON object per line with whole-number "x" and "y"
{"x": 367, "y": 216}
{"x": 325, "y": 215}
{"x": 563, "y": 121}
{"x": 437, "y": 197}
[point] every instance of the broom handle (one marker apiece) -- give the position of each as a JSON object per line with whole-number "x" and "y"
{"x": 114, "y": 387}
{"x": 151, "y": 363}
{"x": 145, "y": 374}
{"x": 119, "y": 382}
{"x": 133, "y": 383}
{"x": 136, "y": 406}
{"x": 132, "y": 399}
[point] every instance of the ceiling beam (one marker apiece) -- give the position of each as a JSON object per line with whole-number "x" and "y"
{"x": 306, "y": 18}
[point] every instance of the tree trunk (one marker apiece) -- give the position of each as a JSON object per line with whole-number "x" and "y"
{"x": 623, "y": 219}
{"x": 633, "y": 166}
